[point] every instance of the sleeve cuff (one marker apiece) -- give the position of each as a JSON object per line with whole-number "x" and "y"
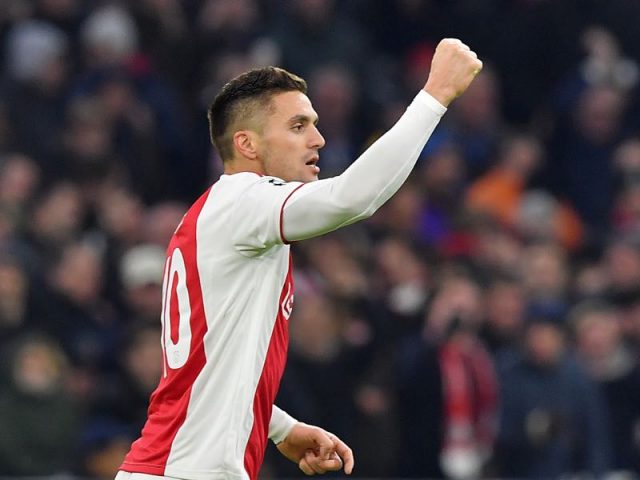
{"x": 280, "y": 425}
{"x": 427, "y": 100}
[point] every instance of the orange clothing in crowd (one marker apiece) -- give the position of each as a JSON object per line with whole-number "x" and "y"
{"x": 499, "y": 193}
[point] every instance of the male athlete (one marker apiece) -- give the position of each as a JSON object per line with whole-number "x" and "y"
{"x": 228, "y": 288}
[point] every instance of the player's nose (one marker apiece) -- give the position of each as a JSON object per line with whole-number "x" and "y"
{"x": 317, "y": 140}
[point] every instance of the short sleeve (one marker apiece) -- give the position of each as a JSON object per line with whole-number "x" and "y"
{"x": 258, "y": 214}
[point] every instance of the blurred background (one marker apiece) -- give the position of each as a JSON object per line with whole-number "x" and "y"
{"x": 485, "y": 323}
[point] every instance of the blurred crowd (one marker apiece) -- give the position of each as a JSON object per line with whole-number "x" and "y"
{"x": 484, "y": 323}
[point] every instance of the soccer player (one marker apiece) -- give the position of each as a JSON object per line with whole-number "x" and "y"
{"x": 228, "y": 288}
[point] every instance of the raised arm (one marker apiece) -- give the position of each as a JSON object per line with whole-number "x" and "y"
{"x": 320, "y": 207}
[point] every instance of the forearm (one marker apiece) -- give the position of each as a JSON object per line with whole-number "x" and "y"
{"x": 369, "y": 182}
{"x": 280, "y": 424}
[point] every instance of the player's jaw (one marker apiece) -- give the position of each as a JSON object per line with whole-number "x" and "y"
{"x": 301, "y": 169}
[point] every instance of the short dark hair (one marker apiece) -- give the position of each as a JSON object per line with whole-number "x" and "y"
{"x": 239, "y": 99}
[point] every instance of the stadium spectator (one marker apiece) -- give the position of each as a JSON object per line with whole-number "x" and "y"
{"x": 442, "y": 177}
{"x": 141, "y": 271}
{"x": 332, "y": 88}
{"x": 621, "y": 265}
{"x": 446, "y": 387}
{"x": 312, "y": 32}
{"x": 545, "y": 272}
{"x": 505, "y": 305}
{"x": 39, "y": 419}
{"x": 16, "y": 307}
{"x": 38, "y": 78}
{"x": 73, "y": 311}
{"x": 583, "y": 149}
{"x": 55, "y": 219}
{"x": 553, "y": 418}
{"x": 615, "y": 369}
{"x": 404, "y": 282}
{"x": 19, "y": 180}
{"x": 476, "y": 124}
{"x": 122, "y": 396}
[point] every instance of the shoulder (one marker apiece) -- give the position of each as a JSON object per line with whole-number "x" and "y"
{"x": 273, "y": 181}
{"x": 250, "y": 178}
{"x": 263, "y": 191}
{"x": 248, "y": 181}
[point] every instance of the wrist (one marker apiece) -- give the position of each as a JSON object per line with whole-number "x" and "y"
{"x": 430, "y": 102}
{"x": 280, "y": 425}
{"x": 444, "y": 95}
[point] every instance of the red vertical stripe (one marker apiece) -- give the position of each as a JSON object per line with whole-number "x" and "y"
{"x": 173, "y": 304}
{"x": 168, "y": 404}
{"x": 269, "y": 383}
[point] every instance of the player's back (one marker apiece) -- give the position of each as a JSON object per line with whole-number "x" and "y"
{"x": 227, "y": 295}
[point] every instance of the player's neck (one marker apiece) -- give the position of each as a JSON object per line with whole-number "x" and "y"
{"x": 243, "y": 165}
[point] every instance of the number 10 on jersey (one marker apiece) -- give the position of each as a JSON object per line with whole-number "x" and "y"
{"x": 176, "y": 307}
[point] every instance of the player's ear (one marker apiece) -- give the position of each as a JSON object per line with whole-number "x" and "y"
{"x": 245, "y": 142}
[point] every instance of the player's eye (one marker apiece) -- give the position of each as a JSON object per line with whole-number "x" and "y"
{"x": 298, "y": 127}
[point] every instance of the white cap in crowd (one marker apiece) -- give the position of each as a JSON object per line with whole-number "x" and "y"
{"x": 142, "y": 265}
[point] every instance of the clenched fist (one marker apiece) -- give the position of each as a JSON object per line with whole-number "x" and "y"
{"x": 453, "y": 68}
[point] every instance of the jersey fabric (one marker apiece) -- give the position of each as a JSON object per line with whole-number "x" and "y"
{"x": 227, "y": 297}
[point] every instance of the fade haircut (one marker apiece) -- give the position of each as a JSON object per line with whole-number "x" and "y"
{"x": 243, "y": 98}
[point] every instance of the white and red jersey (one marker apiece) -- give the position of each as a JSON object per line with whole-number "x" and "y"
{"x": 227, "y": 297}
{"x": 228, "y": 294}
